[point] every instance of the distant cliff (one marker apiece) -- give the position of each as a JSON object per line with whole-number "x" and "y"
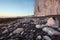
{"x": 47, "y": 7}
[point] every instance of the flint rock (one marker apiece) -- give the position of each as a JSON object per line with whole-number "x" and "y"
{"x": 51, "y": 31}
{"x": 5, "y": 31}
{"x": 39, "y": 26}
{"x": 53, "y": 23}
{"x": 38, "y": 37}
{"x": 18, "y": 30}
{"x": 46, "y": 38}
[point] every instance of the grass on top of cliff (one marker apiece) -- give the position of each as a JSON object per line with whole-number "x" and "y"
{"x": 7, "y": 20}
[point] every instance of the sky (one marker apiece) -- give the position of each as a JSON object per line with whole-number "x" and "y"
{"x": 13, "y": 8}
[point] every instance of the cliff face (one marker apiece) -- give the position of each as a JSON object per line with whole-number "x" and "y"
{"x": 47, "y": 7}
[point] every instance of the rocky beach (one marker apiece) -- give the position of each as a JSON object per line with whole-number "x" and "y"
{"x": 29, "y": 28}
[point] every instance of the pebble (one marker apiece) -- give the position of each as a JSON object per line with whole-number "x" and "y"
{"x": 18, "y": 30}
{"x": 46, "y": 38}
{"x": 39, "y": 37}
{"x": 37, "y": 26}
{"x": 5, "y": 31}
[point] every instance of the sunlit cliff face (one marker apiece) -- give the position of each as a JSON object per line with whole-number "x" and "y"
{"x": 47, "y": 7}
